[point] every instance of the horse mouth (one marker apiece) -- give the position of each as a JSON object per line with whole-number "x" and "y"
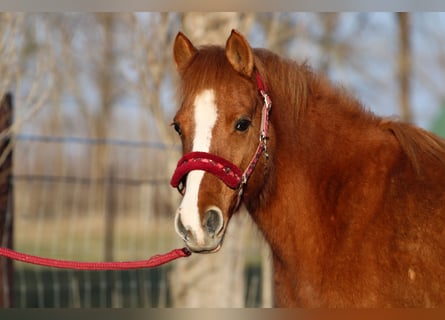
{"x": 205, "y": 251}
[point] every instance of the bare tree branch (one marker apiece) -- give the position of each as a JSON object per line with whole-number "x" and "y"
{"x": 404, "y": 65}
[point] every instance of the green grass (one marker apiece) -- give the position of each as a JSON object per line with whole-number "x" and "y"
{"x": 84, "y": 237}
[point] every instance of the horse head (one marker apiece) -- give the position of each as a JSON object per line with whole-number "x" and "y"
{"x": 223, "y": 114}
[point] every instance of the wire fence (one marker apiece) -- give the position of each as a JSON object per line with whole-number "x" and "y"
{"x": 72, "y": 202}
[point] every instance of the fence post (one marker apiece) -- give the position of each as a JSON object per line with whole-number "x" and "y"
{"x": 110, "y": 226}
{"x": 110, "y": 216}
{"x": 6, "y": 200}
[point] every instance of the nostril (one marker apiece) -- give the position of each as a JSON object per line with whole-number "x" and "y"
{"x": 181, "y": 228}
{"x": 213, "y": 221}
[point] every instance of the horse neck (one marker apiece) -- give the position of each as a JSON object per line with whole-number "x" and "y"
{"x": 306, "y": 151}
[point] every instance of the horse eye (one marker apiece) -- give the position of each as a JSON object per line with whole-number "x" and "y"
{"x": 177, "y": 128}
{"x": 242, "y": 125}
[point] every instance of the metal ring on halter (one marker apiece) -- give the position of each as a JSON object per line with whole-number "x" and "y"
{"x": 181, "y": 186}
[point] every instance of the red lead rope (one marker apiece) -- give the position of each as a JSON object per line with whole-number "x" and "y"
{"x": 154, "y": 261}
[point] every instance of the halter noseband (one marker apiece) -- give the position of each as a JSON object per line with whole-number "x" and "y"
{"x": 228, "y": 172}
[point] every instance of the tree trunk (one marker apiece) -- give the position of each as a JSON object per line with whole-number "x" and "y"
{"x": 404, "y": 65}
{"x": 214, "y": 280}
{"x": 6, "y": 203}
{"x": 102, "y": 167}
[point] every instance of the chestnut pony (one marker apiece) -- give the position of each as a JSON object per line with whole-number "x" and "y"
{"x": 351, "y": 204}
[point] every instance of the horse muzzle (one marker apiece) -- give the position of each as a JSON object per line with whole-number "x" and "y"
{"x": 208, "y": 237}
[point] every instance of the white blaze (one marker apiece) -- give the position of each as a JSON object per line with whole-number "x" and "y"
{"x": 205, "y": 115}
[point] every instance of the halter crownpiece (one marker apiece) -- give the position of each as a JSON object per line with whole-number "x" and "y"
{"x": 228, "y": 172}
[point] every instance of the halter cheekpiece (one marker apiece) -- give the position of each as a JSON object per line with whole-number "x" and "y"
{"x": 228, "y": 172}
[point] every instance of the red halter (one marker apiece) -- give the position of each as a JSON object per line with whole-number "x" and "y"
{"x": 228, "y": 172}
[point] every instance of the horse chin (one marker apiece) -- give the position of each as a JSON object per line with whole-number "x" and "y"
{"x": 206, "y": 250}
{"x": 209, "y": 251}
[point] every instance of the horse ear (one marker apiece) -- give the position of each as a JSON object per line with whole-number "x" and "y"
{"x": 183, "y": 51}
{"x": 239, "y": 53}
